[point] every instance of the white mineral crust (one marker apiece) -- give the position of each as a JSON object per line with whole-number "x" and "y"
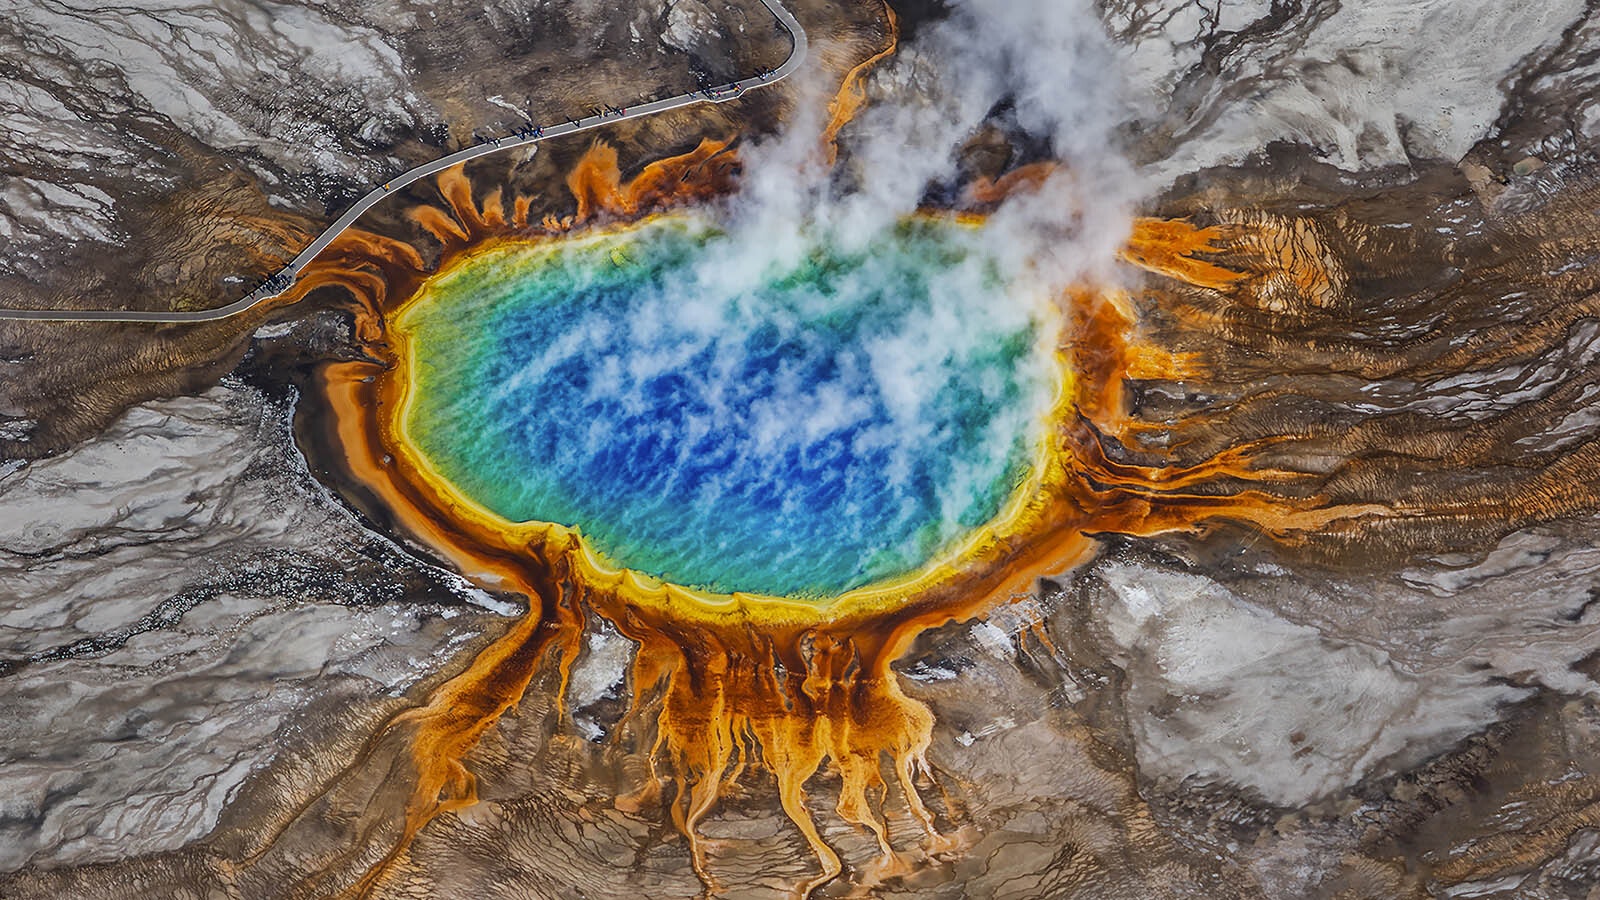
{"x": 144, "y": 577}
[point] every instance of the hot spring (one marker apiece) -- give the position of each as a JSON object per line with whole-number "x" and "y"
{"x": 788, "y": 418}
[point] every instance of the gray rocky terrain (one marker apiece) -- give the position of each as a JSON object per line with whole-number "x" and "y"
{"x": 109, "y": 112}
{"x": 181, "y": 599}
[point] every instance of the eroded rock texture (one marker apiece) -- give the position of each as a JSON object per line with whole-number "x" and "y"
{"x": 108, "y": 113}
{"x": 181, "y": 599}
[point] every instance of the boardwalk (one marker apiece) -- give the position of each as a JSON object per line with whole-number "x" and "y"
{"x": 284, "y": 278}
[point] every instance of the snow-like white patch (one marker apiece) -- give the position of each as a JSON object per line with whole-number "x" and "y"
{"x": 993, "y": 640}
{"x": 157, "y": 555}
{"x": 1374, "y": 85}
{"x": 277, "y": 80}
{"x": 687, "y": 22}
{"x": 499, "y": 101}
{"x": 1224, "y": 690}
{"x": 275, "y": 330}
{"x": 600, "y": 669}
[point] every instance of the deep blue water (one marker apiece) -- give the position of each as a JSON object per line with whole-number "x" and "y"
{"x": 802, "y": 431}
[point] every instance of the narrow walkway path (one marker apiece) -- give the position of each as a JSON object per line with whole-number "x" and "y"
{"x": 284, "y": 278}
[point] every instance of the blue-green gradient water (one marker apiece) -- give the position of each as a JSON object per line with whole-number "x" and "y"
{"x": 729, "y": 420}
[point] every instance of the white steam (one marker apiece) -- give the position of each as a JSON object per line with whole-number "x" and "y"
{"x": 1050, "y": 60}
{"x": 879, "y": 423}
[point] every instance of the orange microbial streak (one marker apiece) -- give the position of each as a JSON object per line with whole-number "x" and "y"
{"x": 724, "y": 685}
{"x": 852, "y": 95}
{"x": 1177, "y": 249}
{"x": 985, "y": 191}
{"x": 596, "y": 181}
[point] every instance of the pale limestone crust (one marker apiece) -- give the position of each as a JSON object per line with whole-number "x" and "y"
{"x": 174, "y": 602}
{"x": 1225, "y": 690}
